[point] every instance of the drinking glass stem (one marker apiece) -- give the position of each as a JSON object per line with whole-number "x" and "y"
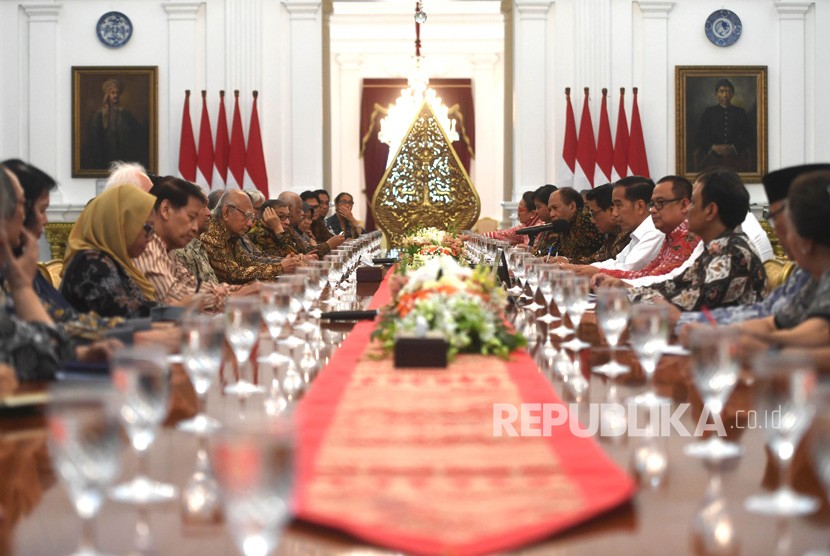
{"x": 87, "y": 542}
{"x": 649, "y": 369}
{"x": 784, "y": 470}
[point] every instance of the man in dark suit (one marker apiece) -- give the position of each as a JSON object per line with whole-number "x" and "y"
{"x": 724, "y": 136}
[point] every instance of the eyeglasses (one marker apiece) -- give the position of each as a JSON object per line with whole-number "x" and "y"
{"x": 658, "y": 204}
{"x": 596, "y": 213}
{"x": 248, "y": 215}
{"x": 348, "y": 203}
{"x": 149, "y": 230}
{"x": 770, "y": 217}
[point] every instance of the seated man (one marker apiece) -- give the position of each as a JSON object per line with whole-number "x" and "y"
{"x": 541, "y": 243}
{"x": 600, "y": 205}
{"x": 630, "y": 198}
{"x": 668, "y": 206}
{"x": 343, "y": 221}
{"x": 728, "y": 272}
{"x": 193, "y": 255}
{"x": 128, "y": 173}
{"x": 178, "y": 206}
{"x": 581, "y": 239}
{"x": 295, "y": 217}
{"x": 318, "y": 225}
{"x": 232, "y": 256}
{"x": 776, "y": 185}
{"x": 805, "y": 320}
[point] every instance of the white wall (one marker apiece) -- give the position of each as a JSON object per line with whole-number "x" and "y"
{"x": 275, "y": 46}
{"x": 459, "y": 40}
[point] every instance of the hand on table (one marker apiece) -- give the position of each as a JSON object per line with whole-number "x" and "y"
{"x": 290, "y": 263}
{"x": 101, "y": 350}
{"x": 603, "y": 280}
{"x": 335, "y": 241}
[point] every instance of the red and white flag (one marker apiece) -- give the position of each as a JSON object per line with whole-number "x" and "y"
{"x": 586, "y": 149}
{"x": 620, "y": 169}
{"x": 220, "y": 154}
{"x": 236, "y": 153}
{"x": 254, "y": 157}
{"x": 637, "y": 159}
{"x": 569, "y": 145}
{"x": 187, "y": 145}
{"x": 605, "y": 150}
{"x": 204, "y": 160}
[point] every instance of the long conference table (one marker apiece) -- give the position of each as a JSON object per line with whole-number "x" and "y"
{"x": 630, "y": 513}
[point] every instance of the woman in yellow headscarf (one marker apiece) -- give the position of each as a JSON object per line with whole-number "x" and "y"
{"x": 99, "y": 274}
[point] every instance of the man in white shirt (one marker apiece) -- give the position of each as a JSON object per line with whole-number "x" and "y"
{"x": 630, "y": 200}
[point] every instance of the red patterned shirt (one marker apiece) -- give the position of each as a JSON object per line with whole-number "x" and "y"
{"x": 676, "y": 248}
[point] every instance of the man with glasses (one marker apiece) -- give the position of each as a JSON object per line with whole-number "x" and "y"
{"x": 234, "y": 258}
{"x": 581, "y": 239}
{"x": 343, "y": 221}
{"x": 598, "y": 201}
{"x": 669, "y": 205}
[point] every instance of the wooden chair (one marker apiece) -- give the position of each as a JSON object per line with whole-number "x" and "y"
{"x": 51, "y": 270}
{"x": 486, "y": 224}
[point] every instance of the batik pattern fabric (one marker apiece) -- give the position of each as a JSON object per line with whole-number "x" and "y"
{"x": 77, "y": 326}
{"x": 775, "y": 301}
{"x": 333, "y": 224}
{"x": 319, "y": 231}
{"x": 580, "y": 241}
{"x": 34, "y": 350}
{"x": 93, "y": 281}
{"x": 511, "y": 236}
{"x": 612, "y": 243}
{"x": 727, "y": 273}
{"x": 270, "y": 243}
{"x": 195, "y": 259}
{"x": 812, "y": 301}
{"x": 235, "y": 259}
{"x": 677, "y": 247}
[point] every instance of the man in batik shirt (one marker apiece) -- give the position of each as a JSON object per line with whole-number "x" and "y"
{"x": 599, "y": 205}
{"x": 581, "y": 239}
{"x": 194, "y": 256}
{"x": 234, "y": 258}
{"x": 669, "y": 205}
{"x": 728, "y": 272}
{"x": 776, "y": 186}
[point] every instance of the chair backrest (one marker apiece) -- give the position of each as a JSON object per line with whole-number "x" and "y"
{"x": 486, "y": 224}
{"x": 778, "y": 271}
{"x": 51, "y": 270}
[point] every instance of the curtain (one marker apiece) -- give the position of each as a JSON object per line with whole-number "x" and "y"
{"x": 378, "y": 94}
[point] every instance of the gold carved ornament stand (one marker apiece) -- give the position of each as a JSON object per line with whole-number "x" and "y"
{"x": 426, "y": 184}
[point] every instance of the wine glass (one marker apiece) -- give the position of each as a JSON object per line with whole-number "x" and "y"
{"x": 200, "y": 496}
{"x": 715, "y": 369}
{"x": 714, "y": 530}
{"x": 254, "y": 464}
{"x": 559, "y": 292}
{"x": 276, "y": 305}
{"x": 648, "y": 334}
{"x": 242, "y": 324}
{"x": 820, "y": 446}
{"x": 612, "y": 316}
{"x": 548, "y": 275}
{"x": 203, "y": 342}
{"x": 85, "y": 447}
{"x": 142, "y": 377}
{"x": 784, "y": 387}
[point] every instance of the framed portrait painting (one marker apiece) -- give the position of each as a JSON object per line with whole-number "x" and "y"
{"x": 721, "y": 119}
{"x": 114, "y": 117}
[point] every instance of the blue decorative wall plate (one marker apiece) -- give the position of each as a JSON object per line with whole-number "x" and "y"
{"x": 114, "y": 29}
{"x": 723, "y": 27}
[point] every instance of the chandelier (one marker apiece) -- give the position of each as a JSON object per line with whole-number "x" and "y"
{"x": 400, "y": 115}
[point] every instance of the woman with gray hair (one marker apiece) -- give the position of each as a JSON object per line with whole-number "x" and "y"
{"x": 29, "y": 341}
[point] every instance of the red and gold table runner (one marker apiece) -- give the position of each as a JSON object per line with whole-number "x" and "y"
{"x": 408, "y": 459}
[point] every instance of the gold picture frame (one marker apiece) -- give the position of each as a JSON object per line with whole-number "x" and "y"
{"x": 114, "y": 117}
{"x": 715, "y": 131}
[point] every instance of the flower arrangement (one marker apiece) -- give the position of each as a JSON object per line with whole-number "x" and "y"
{"x": 426, "y": 243}
{"x": 463, "y": 305}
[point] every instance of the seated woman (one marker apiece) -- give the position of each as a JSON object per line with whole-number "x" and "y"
{"x": 29, "y": 342}
{"x": 303, "y": 229}
{"x": 527, "y": 217}
{"x": 78, "y": 326}
{"x": 99, "y": 274}
{"x": 805, "y": 321}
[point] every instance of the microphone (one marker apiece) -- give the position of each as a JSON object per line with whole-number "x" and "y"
{"x": 559, "y": 225}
